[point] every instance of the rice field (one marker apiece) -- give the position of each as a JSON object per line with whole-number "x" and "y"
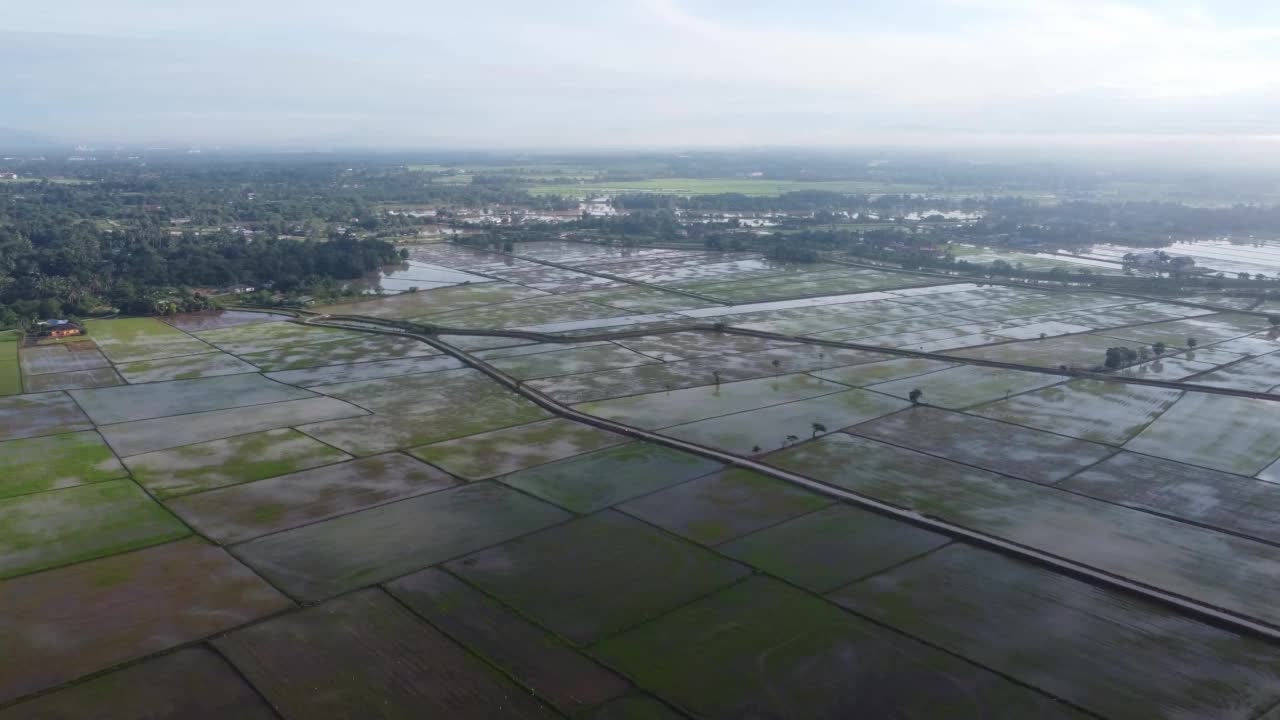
{"x": 232, "y": 510}
{"x": 131, "y": 339}
{"x": 187, "y": 367}
{"x": 1233, "y": 434}
{"x": 10, "y": 369}
{"x": 1092, "y": 410}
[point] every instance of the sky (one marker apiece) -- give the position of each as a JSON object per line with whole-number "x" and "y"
{"x": 425, "y": 74}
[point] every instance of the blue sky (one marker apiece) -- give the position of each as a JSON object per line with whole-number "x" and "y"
{"x": 506, "y": 73}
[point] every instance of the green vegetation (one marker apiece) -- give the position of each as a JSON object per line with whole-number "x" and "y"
{"x": 48, "y": 529}
{"x": 56, "y": 461}
{"x": 130, "y": 339}
{"x": 10, "y": 370}
{"x": 241, "y": 459}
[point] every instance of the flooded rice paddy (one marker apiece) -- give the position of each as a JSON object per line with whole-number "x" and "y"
{"x": 366, "y": 513}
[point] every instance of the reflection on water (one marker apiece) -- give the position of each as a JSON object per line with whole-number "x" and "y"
{"x": 413, "y": 274}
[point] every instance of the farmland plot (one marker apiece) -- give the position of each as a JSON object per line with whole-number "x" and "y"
{"x": 1240, "y": 435}
{"x": 749, "y": 433}
{"x": 361, "y": 349}
{"x": 1234, "y": 573}
{"x": 498, "y": 452}
{"x": 437, "y": 301}
{"x": 1231, "y": 502}
{"x": 681, "y": 406}
{"x": 239, "y": 459}
{"x": 130, "y": 339}
{"x": 420, "y": 409}
{"x": 763, "y": 647}
{"x": 55, "y": 461}
{"x": 144, "y": 436}
{"x": 61, "y": 358}
{"x": 994, "y": 612}
{"x": 77, "y": 380}
{"x": 261, "y": 337}
{"x": 567, "y": 577}
{"x": 189, "y": 588}
{"x": 823, "y": 550}
{"x": 597, "y": 480}
{"x": 248, "y": 510}
{"x": 186, "y": 367}
{"x": 214, "y": 319}
{"x": 1095, "y": 410}
{"x": 181, "y": 397}
{"x": 965, "y": 385}
{"x": 395, "y": 539}
{"x": 720, "y": 507}
{"x": 335, "y": 374}
{"x": 1040, "y": 457}
{"x": 570, "y": 362}
{"x": 59, "y": 527}
{"x": 48, "y": 413}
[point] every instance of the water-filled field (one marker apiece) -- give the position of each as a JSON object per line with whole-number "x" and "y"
{"x": 762, "y": 510}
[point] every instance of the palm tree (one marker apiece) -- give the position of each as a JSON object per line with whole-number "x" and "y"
{"x": 818, "y": 428}
{"x": 777, "y": 366}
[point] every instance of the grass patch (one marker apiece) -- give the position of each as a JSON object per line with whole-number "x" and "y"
{"x": 57, "y": 461}
{"x": 10, "y": 373}
{"x": 49, "y": 529}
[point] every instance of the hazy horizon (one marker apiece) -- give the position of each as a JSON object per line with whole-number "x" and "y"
{"x": 1142, "y": 76}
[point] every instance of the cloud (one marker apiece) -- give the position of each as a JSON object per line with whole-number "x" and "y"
{"x": 651, "y": 72}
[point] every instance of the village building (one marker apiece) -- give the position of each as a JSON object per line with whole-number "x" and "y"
{"x": 58, "y": 329}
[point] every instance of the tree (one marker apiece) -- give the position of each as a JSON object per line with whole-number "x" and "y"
{"x": 716, "y": 375}
{"x": 1192, "y": 343}
{"x": 791, "y": 439}
{"x": 1115, "y": 358}
{"x": 818, "y": 428}
{"x": 1158, "y": 349}
{"x": 777, "y": 365}
{"x": 915, "y": 396}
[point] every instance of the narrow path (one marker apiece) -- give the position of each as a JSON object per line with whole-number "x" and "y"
{"x": 1208, "y": 613}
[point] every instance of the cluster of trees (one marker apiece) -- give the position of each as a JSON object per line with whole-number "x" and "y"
{"x": 58, "y": 268}
{"x": 1082, "y": 223}
{"x": 801, "y": 201}
{"x": 657, "y": 224}
{"x": 302, "y": 196}
{"x": 1122, "y": 357}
